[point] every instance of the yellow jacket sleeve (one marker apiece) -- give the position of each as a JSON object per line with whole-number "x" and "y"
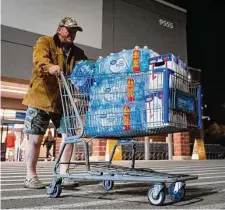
{"x": 41, "y": 55}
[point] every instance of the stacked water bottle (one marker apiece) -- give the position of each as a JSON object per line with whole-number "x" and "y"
{"x": 154, "y": 97}
{"x": 117, "y": 99}
{"x": 126, "y": 90}
{"x": 173, "y": 63}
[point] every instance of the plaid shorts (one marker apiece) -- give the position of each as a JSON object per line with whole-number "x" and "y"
{"x": 37, "y": 121}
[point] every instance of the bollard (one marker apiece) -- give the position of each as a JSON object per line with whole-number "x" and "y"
{"x": 146, "y": 148}
{"x": 170, "y": 148}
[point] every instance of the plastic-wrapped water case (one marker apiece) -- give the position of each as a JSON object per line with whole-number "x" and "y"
{"x": 165, "y": 109}
{"x": 114, "y": 119}
{"x": 127, "y": 61}
{"x": 173, "y": 63}
{"x": 169, "y": 61}
{"x": 82, "y": 75}
{"x": 155, "y": 80}
{"x": 155, "y": 111}
{"x": 117, "y": 91}
{"x": 184, "y": 72}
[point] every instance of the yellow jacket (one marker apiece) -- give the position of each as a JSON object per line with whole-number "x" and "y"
{"x": 43, "y": 92}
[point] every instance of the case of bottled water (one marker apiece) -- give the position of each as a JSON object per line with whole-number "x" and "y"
{"x": 126, "y": 61}
{"x": 116, "y": 91}
{"x": 184, "y": 71}
{"x": 115, "y": 118}
{"x": 133, "y": 90}
{"x": 171, "y": 62}
{"x": 155, "y": 112}
{"x": 82, "y": 75}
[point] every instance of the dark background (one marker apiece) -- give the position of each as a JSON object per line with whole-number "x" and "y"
{"x": 206, "y": 46}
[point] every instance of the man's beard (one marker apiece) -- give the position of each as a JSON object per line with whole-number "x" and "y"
{"x": 65, "y": 42}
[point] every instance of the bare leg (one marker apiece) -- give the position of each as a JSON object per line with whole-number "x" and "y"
{"x": 66, "y": 156}
{"x": 32, "y": 154}
{"x": 46, "y": 157}
{"x": 49, "y": 153}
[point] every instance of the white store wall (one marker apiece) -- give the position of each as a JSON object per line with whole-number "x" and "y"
{"x": 110, "y": 25}
{"x": 42, "y": 17}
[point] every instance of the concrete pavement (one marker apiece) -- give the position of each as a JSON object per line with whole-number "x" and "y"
{"x": 208, "y": 192}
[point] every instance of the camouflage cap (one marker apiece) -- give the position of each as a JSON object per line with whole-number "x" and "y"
{"x": 69, "y": 22}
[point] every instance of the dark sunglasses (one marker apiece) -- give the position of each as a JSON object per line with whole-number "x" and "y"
{"x": 72, "y": 30}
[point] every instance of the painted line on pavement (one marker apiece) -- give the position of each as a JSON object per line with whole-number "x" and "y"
{"x": 155, "y": 168}
{"x": 164, "y": 170}
{"x": 26, "y": 189}
{"x": 48, "y": 182}
{"x": 190, "y": 168}
{"x": 137, "y": 164}
{"x": 175, "y": 170}
{"x": 40, "y": 174}
{"x": 20, "y": 180}
{"x": 123, "y": 184}
{"x": 51, "y": 176}
{"x": 95, "y": 203}
{"x": 21, "y": 173}
{"x": 38, "y": 170}
{"x": 90, "y": 203}
{"x": 63, "y": 194}
{"x": 15, "y": 189}
{"x": 212, "y": 206}
{"x": 209, "y": 177}
{"x": 205, "y": 183}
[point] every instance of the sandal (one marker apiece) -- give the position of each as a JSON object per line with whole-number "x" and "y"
{"x": 34, "y": 183}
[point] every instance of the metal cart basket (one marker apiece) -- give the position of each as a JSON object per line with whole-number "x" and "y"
{"x": 124, "y": 106}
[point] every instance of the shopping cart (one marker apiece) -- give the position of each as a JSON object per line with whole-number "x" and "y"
{"x": 167, "y": 103}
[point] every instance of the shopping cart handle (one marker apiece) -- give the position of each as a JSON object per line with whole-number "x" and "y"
{"x": 65, "y": 90}
{"x": 61, "y": 74}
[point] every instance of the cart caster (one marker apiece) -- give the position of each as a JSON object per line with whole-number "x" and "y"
{"x": 108, "y": 185}
{"x": 54, "y": 189}
{"x": 177, "y": 193}
{"x": 156, "y": 194}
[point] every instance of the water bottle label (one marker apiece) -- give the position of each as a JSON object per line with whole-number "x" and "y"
{"x": 126, "y": 118}
{"x": 136, "y": 61}
{"x": 154, "y": 76}
{"x": 130, "y": 89}
{"x": 117, "y": 65}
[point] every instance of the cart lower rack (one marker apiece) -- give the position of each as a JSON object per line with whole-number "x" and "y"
{"x": 109, "y": 173}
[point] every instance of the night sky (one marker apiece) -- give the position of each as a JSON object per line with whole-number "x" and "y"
{"x": 206, "y": 47}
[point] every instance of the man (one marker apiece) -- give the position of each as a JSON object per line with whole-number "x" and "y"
{"x": 51, "y": 55}
{"x": 49, "y": 141}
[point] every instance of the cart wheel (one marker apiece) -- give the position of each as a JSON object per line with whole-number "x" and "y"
{"x": 176, "y": 196}
{"x": 157, "y": 201}
{"x": 108, "y": 185}
{"x": 54, "y": 192}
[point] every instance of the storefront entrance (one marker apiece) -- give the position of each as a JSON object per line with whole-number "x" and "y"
{"x": 13, "y": 140}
